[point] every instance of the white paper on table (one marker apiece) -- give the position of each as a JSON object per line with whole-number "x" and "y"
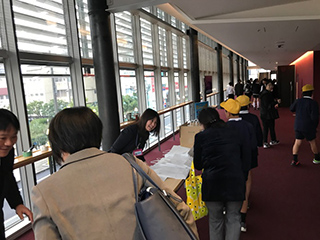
{"x": 175, "y": 164}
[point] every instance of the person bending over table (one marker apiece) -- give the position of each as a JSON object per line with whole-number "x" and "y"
{"x": 133, "y": 138}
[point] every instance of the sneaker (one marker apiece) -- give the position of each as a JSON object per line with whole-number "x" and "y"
{"x": 243, "y": 227}
{"x": 316, "y": 161}
{"x": 266, "y": 145}
{"x": 296, "y": 163}
{"x": 274, "y": 142}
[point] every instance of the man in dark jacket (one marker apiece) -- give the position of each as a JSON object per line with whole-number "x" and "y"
{"x": 268, "y": 114}
{"x": 9, "y": 127}
{"x": 305, "y": 124}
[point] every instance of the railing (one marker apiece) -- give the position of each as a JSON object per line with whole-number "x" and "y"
{"x": 21, "y": 161}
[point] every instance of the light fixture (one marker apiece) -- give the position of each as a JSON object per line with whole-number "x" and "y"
{"x": 302, "y": 57}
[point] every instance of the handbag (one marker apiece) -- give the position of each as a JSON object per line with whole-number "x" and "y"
{"x": 156, "y": 215}
{"x": 194, "y": 196}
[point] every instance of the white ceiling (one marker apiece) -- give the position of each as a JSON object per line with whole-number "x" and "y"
{"x": 269, "y": 33}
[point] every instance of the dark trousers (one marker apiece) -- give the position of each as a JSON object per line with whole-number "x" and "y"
{"x": 2, "y": 236}
{"x": 268, "y": 124}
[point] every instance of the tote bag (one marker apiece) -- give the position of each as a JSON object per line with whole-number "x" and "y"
{"x": 194, "y": 196}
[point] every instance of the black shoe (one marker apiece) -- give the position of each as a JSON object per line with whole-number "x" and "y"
{"x": 275, "y": 142}
{"x": 295, "y": 163}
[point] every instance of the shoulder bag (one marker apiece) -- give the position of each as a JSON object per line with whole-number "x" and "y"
{"x": 156, "y": 215}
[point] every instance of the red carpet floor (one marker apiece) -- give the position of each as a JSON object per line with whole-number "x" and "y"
{"x": 284, "y": 199}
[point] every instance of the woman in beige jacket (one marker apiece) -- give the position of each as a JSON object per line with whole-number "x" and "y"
{"x": 92, "y": 195}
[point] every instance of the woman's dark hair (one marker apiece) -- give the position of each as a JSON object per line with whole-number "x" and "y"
{"x": 74, "y": 129}
{"x": 147, "y": 115}
{"x": 7, "y": 118}
{"x": 209, "y": 117}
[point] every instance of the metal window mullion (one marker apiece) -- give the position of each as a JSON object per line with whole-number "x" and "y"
{"x": 172, "y": 87}
{"x": 136, "y": 32}
{"x": 16, "y": 91}
{"x": 181, "y": 76}
{"x": 116, "y": 64}
{"x": 157, "y": 75}
{"x": 78, "y": 91}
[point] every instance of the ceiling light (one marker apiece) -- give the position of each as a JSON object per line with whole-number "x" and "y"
{"x": 302, "y": 57}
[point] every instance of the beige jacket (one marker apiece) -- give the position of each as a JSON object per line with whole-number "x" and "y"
{"x": 91, "y": 197}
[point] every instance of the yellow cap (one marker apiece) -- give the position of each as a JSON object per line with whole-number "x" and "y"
{"x": 231, "y": 106}
{"x": 244, "y": 100}
{"x": 307, "y": 87}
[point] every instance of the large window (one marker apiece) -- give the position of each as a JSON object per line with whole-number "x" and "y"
{"x": 129, "y": 94}
{"x": 124, "y": 37}
{"x": 40, "y": 18}
{"x": 53, "y": 92}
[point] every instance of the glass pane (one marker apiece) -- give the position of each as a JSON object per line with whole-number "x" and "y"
{"x": 184, "y": 53}
{"x": 150, "y": 89}
{"x": 175, "y": 50}
{"x": 148, "y": 9}
{"x": 124, "y": 37}
{"x": 53, "y": 92}
{"x": 84, "y": 28}
{"x": 167, "y": 123}
{"x": 186, "y": 96}
{"x": 161, "y": 14}
{"x": 187, "y": 112}
{"x": 40, "y": 26}
{"x": 165, "y": 89}
{"x": 173, "y": 21}
{"x": 4, "y": 96}
{"x": 176, "y": 86}
{"x": 178, "y": 114}
{"x": 90, "y": 89}
{"x": 163, "y": 47}
{"x": 129, "y": 94}
{"x": 146, "y": 36}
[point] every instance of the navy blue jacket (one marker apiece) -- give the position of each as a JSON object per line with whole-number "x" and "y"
{"x": 254, "y": 120}
{"x": 218, "y": 151}
{"x": 248, "y": 140}
{"x": 307, "y": 114}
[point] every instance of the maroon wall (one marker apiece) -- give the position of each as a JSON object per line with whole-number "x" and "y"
{"x": 304, "y": 72}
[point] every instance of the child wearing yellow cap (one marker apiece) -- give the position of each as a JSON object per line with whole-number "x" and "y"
{"x": 305, "y": 124}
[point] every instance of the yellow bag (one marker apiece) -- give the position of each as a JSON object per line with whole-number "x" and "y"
{"x": 194, "y": 196}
